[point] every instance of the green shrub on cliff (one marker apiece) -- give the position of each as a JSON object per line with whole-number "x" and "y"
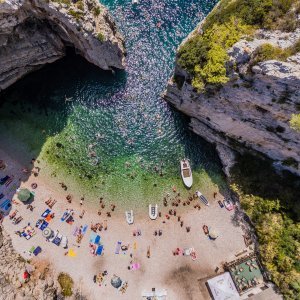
{"x": 268, "y": 52}
{"x": 76, "y": 14}
{"x": 96, "y": 11}
{"x": 204, "y": 56}
{"x": 295, "y": 121}
{"x": 269, "y": 14}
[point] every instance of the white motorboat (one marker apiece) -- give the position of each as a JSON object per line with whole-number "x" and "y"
{"x": 186, "y": 173}
{"x": 153, "y": 211}
{"x": 129, "y": 216}
{"x": 202, "y": 198}
{"x": 135, "y": 1}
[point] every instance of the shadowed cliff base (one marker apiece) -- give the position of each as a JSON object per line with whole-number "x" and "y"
{"x": 271, "y": 200}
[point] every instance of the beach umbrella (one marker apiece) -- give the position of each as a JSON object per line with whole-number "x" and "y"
{"x": 116, "y": 282}
{"x": 24, "y": 195}
{"x": 213, "y": 234}
{"x": 47, "y": 232}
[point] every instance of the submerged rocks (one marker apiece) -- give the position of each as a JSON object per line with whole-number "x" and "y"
{"x": 34, "y": 33}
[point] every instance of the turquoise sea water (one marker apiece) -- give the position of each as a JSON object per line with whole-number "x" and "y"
{"x": 116, "y": 137}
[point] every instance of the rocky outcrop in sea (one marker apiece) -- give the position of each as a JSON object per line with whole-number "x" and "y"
{"x": 37, "y": 32}
{"x": 251, "y": 112}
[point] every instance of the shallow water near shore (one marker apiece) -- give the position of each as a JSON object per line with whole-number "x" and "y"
{"x": 113, "y": 135}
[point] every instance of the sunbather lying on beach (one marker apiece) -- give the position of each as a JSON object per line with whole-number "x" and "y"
{"x": 13, "y": 214}
{"x": 52, "y": 203}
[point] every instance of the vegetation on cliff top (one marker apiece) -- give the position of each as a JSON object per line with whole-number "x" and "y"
{"x": 274, "y": 209}
{"x": 204, "y": 56}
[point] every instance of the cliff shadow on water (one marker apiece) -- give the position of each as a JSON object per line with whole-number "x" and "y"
{"x": 39, "y": 107}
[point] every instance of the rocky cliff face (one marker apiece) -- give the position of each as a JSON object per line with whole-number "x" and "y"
{"x": 12, "y": 267}
{"x": 36, "y": 32}
{"x": 251, "y": 112}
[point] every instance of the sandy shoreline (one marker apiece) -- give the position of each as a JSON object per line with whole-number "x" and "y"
{"x": 179, "y": 275}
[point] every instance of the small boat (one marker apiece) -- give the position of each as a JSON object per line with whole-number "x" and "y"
{"x": 202, "y": 198}
{"x": 228, "y": 205}
{"x": 153, "y": 211}
{"x": 186, "y": 173}
{"x": 135, "y": 1}
{"x": 129, "y": 216}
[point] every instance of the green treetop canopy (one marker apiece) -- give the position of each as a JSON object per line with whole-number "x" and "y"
{"x": 24, "y": 195}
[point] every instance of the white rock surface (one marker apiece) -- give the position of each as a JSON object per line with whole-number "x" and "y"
{"x": 34, "y": 33}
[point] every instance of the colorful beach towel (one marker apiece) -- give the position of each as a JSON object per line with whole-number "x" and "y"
{"x": 46, "y": 213}
{"x": 71, "y": 253}
{"x": 135, "y": 266}
{"x": 118, "y": 247}
{"x": 99, "y": 250}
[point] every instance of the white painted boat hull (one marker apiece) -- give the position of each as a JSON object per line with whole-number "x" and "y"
{"x": 129, "y": 217}
{"x": 187, "y": 180}
{"x": 153, "y": 211}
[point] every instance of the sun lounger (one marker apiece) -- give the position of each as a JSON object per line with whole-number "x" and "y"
{"x": 118, "y": 247}
{"x": 99, "y": 250}
{"x": 46, "y": 213}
